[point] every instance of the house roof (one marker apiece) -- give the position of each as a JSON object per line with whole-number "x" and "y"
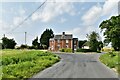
{"x": 66, "y": 36}
{"x": 62, "y": 36}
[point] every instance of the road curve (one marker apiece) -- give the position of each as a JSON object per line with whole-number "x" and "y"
{"x": 77, "y": 66}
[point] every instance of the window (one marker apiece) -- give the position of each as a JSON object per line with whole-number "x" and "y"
{"x": 66, "y": 46}
{"x": 52, "y": 41}
{"x": 75, "y": 46}
{"x": 67, "y": 41}
{"x": 52, "y": 46}
{"x": 58, "y": 40}
{"x": 58, "y": 46}
{"x": 74, "y": 42}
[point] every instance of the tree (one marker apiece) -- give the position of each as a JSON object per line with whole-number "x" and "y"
{"x": 8, "y": 43}
{"x": 100, "y": 45}
{"x": 81, "y": 43}
{"x": 93, "y": 41}
{"x": 47, "y": 34}
{"x": 1, "y": 46}
{"x": 111, "y": 29}
{"x": 35, "y": 43}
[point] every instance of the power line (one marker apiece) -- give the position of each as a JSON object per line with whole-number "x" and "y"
{"x": 28, "y": 16}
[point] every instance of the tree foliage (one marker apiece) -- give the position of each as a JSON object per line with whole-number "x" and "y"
{"x": 111, "y": 29}
{"x": 81, "y": 43}
{"x": 8, "y": 43}
{"x": 46, "y": 35}
{"x": 94, "y": 43}
{"x": 35, "y": 43}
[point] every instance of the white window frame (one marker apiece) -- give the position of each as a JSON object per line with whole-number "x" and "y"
{"x": 52, "y": 41}
{"x": 58, "y": 45}
{"x": 58, "y": 40}
{"x": 67, "y": 41}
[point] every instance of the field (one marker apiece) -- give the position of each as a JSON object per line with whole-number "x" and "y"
{"x": 25, "y": 63}
{"x": 112, "y": 60}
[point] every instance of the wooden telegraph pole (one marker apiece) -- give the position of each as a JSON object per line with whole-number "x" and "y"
{"x": 25, "y": 38}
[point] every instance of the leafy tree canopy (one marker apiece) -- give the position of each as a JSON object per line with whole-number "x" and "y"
{"x": 8, "y": 43}
{"x": 46, "y": 35}
{"x": 94, "y": 42}
{"x": 35, "y": 42}
{"x": 81, "y": 43}
{"x": 111, "y": 29}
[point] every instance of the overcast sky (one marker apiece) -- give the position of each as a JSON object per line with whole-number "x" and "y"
{"x": 75, "y": 17}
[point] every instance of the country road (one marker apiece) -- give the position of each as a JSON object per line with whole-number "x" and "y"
{"x": 77, "y": 66}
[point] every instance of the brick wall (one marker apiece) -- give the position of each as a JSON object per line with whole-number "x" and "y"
{"x": 55, "y": 45}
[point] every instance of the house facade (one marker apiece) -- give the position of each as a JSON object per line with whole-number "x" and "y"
{"x": 63, "y": 41}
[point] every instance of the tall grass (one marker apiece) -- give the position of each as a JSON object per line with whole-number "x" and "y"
{"x": 111, "y": 59}
{"x": 25, "y": 63}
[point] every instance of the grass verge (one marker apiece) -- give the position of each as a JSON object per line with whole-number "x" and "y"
{"x": 112, "y": 60}
{"x": 22, "y": 64}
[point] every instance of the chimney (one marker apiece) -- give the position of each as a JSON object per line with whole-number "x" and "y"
{"x": 63, "y": 33}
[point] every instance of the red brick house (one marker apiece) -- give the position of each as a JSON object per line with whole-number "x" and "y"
{"x": 62, "y": 41}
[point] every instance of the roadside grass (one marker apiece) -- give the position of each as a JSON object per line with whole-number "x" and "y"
{"x": 111, "y": 59}
{"x": 22, "y": 64}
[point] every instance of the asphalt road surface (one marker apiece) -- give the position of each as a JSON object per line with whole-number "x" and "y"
{"x": 77, "y": 66}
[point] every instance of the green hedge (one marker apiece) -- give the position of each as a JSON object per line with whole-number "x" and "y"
{"x": 83, "y": 50}
{"x": 66, "y": 50}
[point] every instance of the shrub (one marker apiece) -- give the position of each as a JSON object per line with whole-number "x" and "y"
{"x": 66, "y": 50}
{"x": 83, "y": 50}
{"x": 31, "y": 47}
{"x": 62, "y": 50}
{"x": 107, "y": 49}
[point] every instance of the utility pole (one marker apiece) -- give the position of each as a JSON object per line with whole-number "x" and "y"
{"x": 25, "y": 37}
{"x": 3, "y": 35}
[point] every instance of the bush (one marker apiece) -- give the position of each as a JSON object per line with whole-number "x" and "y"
{"x": 107, "y": 49}
{"x": 23, "y": 47}
{"x": 66, "y": 50}
{"x": 31, "y": 47}
{"x": 62, "y": 50}
{"x": 83, "y": 50}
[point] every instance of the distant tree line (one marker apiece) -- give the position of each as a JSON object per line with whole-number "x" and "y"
{"x": 42, "y": 43}
{"x": 8, "y": 43}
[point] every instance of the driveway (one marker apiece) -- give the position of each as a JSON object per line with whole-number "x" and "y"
{"x": 77, "y": 66}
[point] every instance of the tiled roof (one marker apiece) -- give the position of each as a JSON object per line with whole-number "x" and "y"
{"x": 66, "y": 36}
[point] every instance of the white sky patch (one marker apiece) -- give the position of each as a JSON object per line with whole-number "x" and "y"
{"x": 22, "y": 11}
{"x": 109, "y": 6}
{"x": 17, "y": 20}
{"x": 52, "y": 10}
{"x": 4, "y": 26}
{"x": 97, "y": 11}
{"x": 62, "y": 20}
{"x": 77, "y": 32}
{"x": 92, "y": 15}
